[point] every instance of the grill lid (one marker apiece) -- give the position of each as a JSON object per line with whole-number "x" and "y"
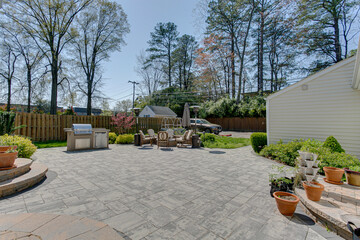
{"x": 82, "y": 129}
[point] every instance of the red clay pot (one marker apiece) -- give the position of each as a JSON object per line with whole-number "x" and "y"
{"x": 313, "y": 193}
{"x": 7, "y": 159}
{"x": 6, "y": 148}
{"x": 286, "y": 207}
{"x": 333, "y": 174}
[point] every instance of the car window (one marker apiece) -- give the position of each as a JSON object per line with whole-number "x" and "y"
{"x": 205, "y": 121}
{"x": 198, "y": 121}
{"x": 192, "y": 121}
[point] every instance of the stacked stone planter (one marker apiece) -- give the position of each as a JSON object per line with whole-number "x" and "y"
{"x": 26, "y": 174}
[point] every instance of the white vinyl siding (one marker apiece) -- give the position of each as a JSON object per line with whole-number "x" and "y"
{"x": 330, "y": 106}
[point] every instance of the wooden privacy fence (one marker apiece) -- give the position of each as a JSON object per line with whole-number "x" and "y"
{"x": 241, "y": 124}
{"x": 44, "y": 127}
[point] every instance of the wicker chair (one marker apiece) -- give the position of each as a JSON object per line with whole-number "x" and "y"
{"x": 152, "y": 135}
{"x": 163, "y": 139}
{"x": 145, "y": 139}
{"x": 186, "y": 138}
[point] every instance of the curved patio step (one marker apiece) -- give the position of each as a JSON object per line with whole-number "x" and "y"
{"x": 331, "y": 213}
{"x": 52, "y": 226}
{"x": 22, "y": 167}
{"x": 36, "y": 174}
{"x": 343, "y": 193}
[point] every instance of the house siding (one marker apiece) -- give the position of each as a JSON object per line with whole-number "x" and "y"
{"x": 330, "y": 106}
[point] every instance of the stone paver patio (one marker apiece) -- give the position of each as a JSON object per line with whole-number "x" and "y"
{"x": 145, "y": 193}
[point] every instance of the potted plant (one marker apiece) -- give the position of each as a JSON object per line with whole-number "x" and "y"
{"x": 313, "y": 190}
{"x": 286, "y": 202}
{"x": 279, "y": 181}
{"x": 6, "y": 148}
{"x": 353, "y": 175}
{"x": 8, "y": 158}
{"x": 333, "y": 175}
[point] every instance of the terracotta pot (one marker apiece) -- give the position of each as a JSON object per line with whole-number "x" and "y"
{"x": 6, "y": 148}
{"x": 333, "y": 174}
{"x": 352, "y": 177}
{"x": 7, "y": 159}
{"x": 313, "y": 193}
{"x": 286, "y": 207}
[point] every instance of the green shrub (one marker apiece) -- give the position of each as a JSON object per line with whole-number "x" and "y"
{"x": 338, "y": 160}
{"x": 355, "y": 168}
{"x": 112, "y": 137}
{"x": 208, "y": 137}
{"x": 7, "y": 123}
{"x": 283, "y": 152}
{"x": 333, "y": 145}
{"x": 24, "y": 145}
{"x": 258, "y": 141}
{"x": 125, "y": 139}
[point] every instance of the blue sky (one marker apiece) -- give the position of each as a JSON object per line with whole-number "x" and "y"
{"x": 143, "y": 15}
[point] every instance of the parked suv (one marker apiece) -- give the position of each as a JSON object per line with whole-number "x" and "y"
{"x": 205, "y": 125}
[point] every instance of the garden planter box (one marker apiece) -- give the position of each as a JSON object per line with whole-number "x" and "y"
{"x": 352, "y": 177}
{"x": 7, "y": 159}
{"x": 286, "y": 207}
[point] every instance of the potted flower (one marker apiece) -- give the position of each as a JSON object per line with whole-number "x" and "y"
{"x": 8, "y": 158}
{"x": 353, "y": 175}
{"x": 286, "y": 202}
{"x": 313, "y": 190}
{"x": 279, "y": 181}
{"x": 333, "y": 175}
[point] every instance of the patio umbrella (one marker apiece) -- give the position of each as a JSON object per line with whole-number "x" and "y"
{"x": 186, "y": 116}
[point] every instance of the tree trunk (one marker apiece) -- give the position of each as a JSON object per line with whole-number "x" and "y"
{"x": 8, "y": 108}
{"x": 233, "y": 86}
{"x": 29, "y": 89}
{"x": 261, "y": 50}
{"x": 337, "y": 40}
{"x": 169, "y": 62}
{"x": 54, "y": 85}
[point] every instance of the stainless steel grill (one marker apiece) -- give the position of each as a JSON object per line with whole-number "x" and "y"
{"x": 83, "y": 136}
{"x": 82, "y": 129}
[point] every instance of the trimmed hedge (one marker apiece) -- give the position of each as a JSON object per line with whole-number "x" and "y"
{"x": 24, "y": 145}
{"x": 112, "y": 137}
{"x": 125, "y": 139}
{"x": 258, "y": 141}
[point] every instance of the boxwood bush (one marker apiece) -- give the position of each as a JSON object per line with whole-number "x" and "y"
{"x": 125, "y": 139}
{"x": 24, "y": 145}
{"x": 333, "y": 145}
{"x": 112, "y": 137}
{"x": 258, "y": 141}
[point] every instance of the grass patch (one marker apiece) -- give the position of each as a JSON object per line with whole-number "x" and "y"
{"x": 50, "y": 144}
{"x": 225, "y": 142}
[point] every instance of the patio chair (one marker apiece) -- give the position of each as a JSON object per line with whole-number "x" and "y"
{"x": 152, "y": 135}
{"x": 186, "y": 138}
{"x": 181, "y": 139}
{"x": 163, "y": 139}
{"x": 144, "y": 139}
{"x": 170, "y": 133}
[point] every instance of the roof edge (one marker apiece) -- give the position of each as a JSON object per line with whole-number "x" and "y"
{"x": 313, "y": 76}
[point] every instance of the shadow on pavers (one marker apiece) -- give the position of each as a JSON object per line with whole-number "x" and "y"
{"x": 304, "y": 220}
{"x": 217, "y": 152}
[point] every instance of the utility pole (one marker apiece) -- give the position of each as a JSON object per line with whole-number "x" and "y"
{"x": 134, "y": 84}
